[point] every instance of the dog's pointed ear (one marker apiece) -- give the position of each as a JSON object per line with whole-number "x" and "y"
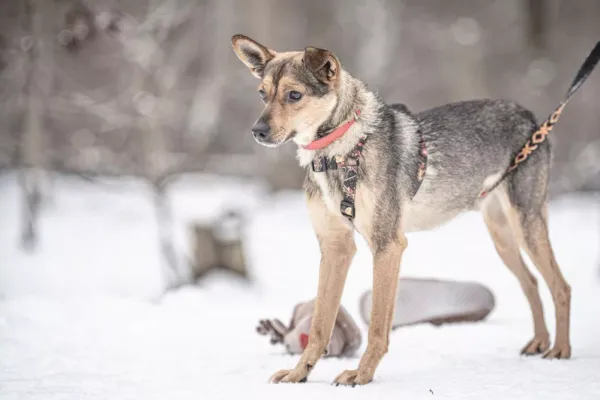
{"x": 253, "y": 54}
{"x": 323, "y": 64}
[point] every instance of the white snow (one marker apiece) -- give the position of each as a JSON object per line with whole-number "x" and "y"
{"x": 80, "y": 319}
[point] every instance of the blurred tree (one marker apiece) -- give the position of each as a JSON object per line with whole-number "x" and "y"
{"x": 537, "y": 24}
{"x": 202, "y": 101}
{"x": 38, "y": 48}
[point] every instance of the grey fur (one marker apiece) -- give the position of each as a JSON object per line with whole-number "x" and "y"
{"x": 470, "y": 145}
{"x": 466, "y": 143}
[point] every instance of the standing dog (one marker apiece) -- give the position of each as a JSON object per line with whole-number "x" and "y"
{"x": 383, "y": 171}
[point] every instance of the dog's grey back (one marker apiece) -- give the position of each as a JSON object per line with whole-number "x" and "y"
{"x": 467, "y": 143}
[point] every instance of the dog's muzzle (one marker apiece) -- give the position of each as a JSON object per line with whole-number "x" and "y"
{"x": 262, "y": 132}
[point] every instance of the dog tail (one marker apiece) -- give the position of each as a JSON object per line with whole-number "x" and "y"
{"x": 544, "y": 129}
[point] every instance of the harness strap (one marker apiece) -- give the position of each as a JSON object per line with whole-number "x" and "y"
{"x": 348, "y": 166}
{"x": 322, "y": 164}
{"x": 349, "y": 173}
{"x": 540, "y": 135}
{"x": 422, "y": 160}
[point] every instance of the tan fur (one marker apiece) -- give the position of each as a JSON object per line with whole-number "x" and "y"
{"x": 303, "y": 117}
{"x": 386, "y": 270}
{"x": 509, "y": 227}
{"x": 508, "y": 249}
{"x": 366, "y": 201}
{"x": 334, "y": 232}
{"x": 531, "y": 234}
{"x": 337, "y": 248}
{"x": 347, "y": 142}
{"x": 336, "y": 241}
{"x": 240, "y": 41}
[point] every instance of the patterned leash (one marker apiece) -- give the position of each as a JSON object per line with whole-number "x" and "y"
{"x": 540, "y": 135}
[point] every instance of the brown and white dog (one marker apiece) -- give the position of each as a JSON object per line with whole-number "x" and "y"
{"x": 383, "y": 171}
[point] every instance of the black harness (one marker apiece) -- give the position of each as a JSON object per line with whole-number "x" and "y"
{"x": 348, "y": 167}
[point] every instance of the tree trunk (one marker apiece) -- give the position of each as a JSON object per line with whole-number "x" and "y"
{"x": 39, "y": 46}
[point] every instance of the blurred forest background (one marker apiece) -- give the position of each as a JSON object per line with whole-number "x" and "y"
{"x": 128, "y": 168}
{"x": 152, "y": 88}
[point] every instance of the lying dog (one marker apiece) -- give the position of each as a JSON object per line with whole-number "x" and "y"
{"x": 383, "y": 171}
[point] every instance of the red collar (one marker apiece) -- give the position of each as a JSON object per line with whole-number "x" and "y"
{"x": 333, "y": 136}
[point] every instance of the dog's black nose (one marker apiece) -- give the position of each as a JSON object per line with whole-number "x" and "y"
{"x": 261, "y": 130}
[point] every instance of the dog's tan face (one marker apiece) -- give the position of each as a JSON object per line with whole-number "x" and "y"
{"x": 299, "y": 90}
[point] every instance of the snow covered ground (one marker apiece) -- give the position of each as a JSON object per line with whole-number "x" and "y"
{"x": 79, "y": 318}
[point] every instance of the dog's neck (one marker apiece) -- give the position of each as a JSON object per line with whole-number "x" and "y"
{"x": 352, "y": 96}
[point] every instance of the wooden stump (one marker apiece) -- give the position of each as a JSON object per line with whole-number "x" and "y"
{"x": 219, "y": 246}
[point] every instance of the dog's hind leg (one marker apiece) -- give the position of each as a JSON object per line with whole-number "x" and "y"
{"x": 336, "y": 240}
{"x": 528, "y": 216}
{"x": 508, "y": 250}
{"x": 534, "y": 228}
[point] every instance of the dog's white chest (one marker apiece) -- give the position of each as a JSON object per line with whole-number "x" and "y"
{"x": 329, "y": 192}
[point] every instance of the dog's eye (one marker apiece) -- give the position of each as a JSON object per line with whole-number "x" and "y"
{"x": 294, "y": 96}
{"x": 262, "y": 94}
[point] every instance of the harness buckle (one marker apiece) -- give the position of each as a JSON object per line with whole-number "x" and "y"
{"x": 319, "y": 164}
{"x": 347, "y": 209}
{"x": 322, "y": 164}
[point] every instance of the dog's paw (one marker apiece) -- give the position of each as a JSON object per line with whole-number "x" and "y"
{"x": 562, "y": 352}
{"x": 288, "y": 376}
{"x": 352, "y": 378}
{"x": 537, "y": 345}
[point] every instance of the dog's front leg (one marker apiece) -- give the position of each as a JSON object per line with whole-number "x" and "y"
{"x": 336, "y": 241}
{"x": 386, "y": 268}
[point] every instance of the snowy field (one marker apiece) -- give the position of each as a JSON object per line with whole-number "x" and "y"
{"x": 80, "y": 319}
